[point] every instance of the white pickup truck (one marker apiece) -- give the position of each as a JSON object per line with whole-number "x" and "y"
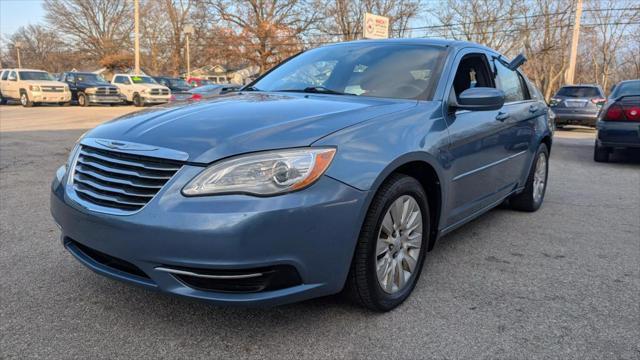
{"x": 32, "y": 87}
{"x": 141, "y": 89}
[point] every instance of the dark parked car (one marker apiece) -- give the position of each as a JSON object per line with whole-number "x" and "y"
{"x": 619, "y": 121}
{"x": 211, "y": 91}
{"x": 577, "y": 104}
{"x": 179, "y": 87}
{"x": 89, "y": 88}
{"x": 338, "y": 168}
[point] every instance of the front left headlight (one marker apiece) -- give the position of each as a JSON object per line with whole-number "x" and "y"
{"x": 34, "y": 87}
{"x": 90, "y": 91}
{"x": 263, "y": 174}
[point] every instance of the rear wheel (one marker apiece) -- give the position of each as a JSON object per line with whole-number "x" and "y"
{"x": 391, "y": 247}
{"x": 24, "y": 100}
{"x": 531, "y": 198}
{"x": 601, "y": 153}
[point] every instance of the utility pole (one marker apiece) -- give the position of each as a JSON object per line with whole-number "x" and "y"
{"x": 136, "y": 14}
{"x": 18, "y": 45}
{"x": 188, "y": 30}
{"x": 574, "y": 44}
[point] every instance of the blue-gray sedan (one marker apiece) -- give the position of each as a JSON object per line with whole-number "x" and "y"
{"x": 338, "y": 169}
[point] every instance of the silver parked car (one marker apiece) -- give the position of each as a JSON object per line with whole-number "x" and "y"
{"x": 577, "y": 105}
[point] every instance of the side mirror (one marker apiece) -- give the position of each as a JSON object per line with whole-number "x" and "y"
{"x": 480, "y": 99}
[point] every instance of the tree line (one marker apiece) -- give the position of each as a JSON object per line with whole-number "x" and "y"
{"x": 90, "y": 34}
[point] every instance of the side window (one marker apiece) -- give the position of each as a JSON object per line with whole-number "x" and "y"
{"x": 71, "y": 78}
{"x": 473, "y": 71}
{"x": 5, "y": 74}
{"x": 510, "y": 82}
{"x": 13, "y": 76}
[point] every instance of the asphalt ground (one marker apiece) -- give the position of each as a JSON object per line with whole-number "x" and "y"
{"x": 563, "y": 282}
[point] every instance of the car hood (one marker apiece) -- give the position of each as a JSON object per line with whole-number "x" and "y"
{"x": 44, "y": 82}
{"x": 244, "y": 122}
{"x": 95, "y": 84}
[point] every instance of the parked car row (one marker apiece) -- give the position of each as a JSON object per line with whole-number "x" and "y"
{"x": 35, "y": 87}
{"x": 616, "y": 118}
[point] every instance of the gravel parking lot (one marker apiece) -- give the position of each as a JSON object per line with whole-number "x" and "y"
{"x": 563, "y": 282}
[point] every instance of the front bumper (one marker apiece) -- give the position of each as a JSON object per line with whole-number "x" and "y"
{"x": 575, "y": 117}
{"x": 49, "y": 97}
{"x": 618, "y": 134}
{"x": 148, "y": 99}
{"x": 105, "y": 99}
{"x": 314, "y": 230}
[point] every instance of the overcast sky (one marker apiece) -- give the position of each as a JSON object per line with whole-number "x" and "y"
{"x": 16, "y": 13}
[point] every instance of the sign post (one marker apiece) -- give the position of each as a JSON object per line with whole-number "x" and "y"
{"x": 375, "y": 26}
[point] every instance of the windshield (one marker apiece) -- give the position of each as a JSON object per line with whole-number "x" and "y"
{"x": 142, "y": 80}
{"x": 388, "y": 70}
{"x": 179, "y": 83}
{"x": 35, "y": 75}
{"x": 90, "y": 78}
{"x": 626, "y": 88}
{"x": 579, "y": 92}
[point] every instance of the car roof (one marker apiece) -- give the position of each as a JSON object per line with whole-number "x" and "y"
{"x": 456, "y": 44}
{"x": 23, "y": 69}
{"x": 581, "y": 85}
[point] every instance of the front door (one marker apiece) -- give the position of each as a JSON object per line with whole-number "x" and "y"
{"x": 478, "y": 144}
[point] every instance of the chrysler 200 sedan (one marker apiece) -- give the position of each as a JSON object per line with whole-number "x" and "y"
{"x": 337, "y": 170}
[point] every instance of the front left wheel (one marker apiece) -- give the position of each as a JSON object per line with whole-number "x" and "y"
{"x": 391, "y": 246}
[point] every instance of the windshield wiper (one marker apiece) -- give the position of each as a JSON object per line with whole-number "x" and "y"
{"x": 250, "y": 88}
{"x": 318, "y": 90}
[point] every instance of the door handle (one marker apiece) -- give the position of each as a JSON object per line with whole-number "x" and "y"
{"x": 533, "y": 108}
{"x": 502, "y": 116}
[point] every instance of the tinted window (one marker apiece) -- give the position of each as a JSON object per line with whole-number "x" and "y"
{"x": 510, "y": 82}
{"x": 5, "y": 75}
{"x": 579, "y": 91}
{"x": 622, "y": 89}
{"x": 13, "y": 75}
{"x": 90, "y": 78}
{"x": 121, "y": 80}
{"x": 35, "y": 75}
{"x": 393, "y": 71}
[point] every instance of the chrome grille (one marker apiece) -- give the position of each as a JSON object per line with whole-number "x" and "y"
{"x": 119, "y": 181}
{"x": 106, "y": 91}
{"x": 159, "y": 92}
{"x": 52, "y": 88}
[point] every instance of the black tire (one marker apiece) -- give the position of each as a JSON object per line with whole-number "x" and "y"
{"x": 601, "y": 153}
{"x": 82, "y": 100}
{"x": 3, "y": 100}
{"x": 24, "y": 99}
{"x": 137, "y": 101}
{"x": 526, "y": 201}
{"x": 362, "y": 284}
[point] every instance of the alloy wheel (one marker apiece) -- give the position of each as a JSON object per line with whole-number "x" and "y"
{"x": 23, "y": 99}
{"x": 540, "y": 177}
{"x": 399, "y": 243}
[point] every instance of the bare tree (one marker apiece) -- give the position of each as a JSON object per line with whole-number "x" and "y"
{"x": 40, "y": 49}
{"x": 268, "y": 31}
{"x": 344, "y": 18}
{"x": 96, "y": 27}
{"x": 608, "y": 36}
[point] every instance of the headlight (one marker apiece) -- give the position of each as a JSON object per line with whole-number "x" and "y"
{"x": 90, "y": 91}
{"x": 265, "y": 173}
{"x": 144, "y": 91}
{"x": 34, "y": 88}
